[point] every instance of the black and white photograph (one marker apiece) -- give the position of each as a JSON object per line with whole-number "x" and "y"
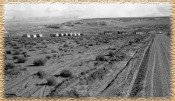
{"x": 87, "y": 50}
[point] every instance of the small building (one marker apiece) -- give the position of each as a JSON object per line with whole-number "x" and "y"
{"x": 120, "y": 32}
{"x": 39, "y": 35}
{"x": 78, "y": 34}
{"x": 52, "y": 35}
{"x": 59, "y": 34}
{"x": 108, "y": 32}
{"x": 71, "y": 34}
{"x": 26, "y": 35}
{"x": 140, "y": 31}
{"x": 64, "y": 34}
{"x": 34, "y": 35}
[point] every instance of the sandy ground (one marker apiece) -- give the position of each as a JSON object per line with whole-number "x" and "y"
{"x": 103, "y": 69}
{"x": 94, "y": 64}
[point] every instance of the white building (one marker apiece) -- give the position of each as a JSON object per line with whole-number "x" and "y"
{"x": 28, "y": 35}
{"x": 34, "y": 35}
{"x": 40, "y": 35}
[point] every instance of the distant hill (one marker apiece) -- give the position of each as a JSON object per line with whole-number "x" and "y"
{"x": 85, "y": 26}
{"x": 101, "y": 24}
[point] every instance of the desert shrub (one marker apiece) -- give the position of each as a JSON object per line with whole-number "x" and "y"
{"x": 10, "y": 95}
{"x": 65, "y": 45}
{"x": 168, "y": 34}
{"x": 16, "y": 47}
{"x": 100, "y": 58}
{"x": 120, "y": 57}
{"x": 90, "y": 44}
{"x": 9, "y": 66}
{"x": 53, "y": 51}
{"x": 23, "y": 69}
{"x": 21, "y": 59}
{"x": 54, "y": 55}
{"x": 137, "y": 40}
{"x": 39, "y": 62}
{"x": 66, "y": 74}
{"x": 130, "y": 43}
{"x": 14, "y": 57}
{"x": 8, "y": 52}
{"x": 72, "y": 93}
{"x": 51, "y": 81}
{"x": 99, "y": 74}
{"x": 48, "y": 57}
{"x": 25, "y": 54}
{"x": 41, "y": 74}
{"x": 111, "y": 53}
{"x": 16, "y": 52}
{"x": 103, "y": 23}
{"x": 14, "y": 71}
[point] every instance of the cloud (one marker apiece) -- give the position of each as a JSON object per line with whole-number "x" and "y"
{"x": 87, "y": 10}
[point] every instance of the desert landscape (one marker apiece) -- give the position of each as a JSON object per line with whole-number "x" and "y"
{"x": 125, "y": 57}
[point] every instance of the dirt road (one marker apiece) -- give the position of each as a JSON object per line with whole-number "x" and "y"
{"x": 157, "y": 81}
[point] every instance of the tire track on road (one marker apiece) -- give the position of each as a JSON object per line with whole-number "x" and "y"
{"x": 157, "y": 82}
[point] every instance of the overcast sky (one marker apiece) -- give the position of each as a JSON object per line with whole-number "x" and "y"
{"x": 94, "y": 10}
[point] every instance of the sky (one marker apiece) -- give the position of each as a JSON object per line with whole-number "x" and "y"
{"x": 93, "y": 10}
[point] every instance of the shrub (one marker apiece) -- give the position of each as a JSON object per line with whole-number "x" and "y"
{"x": 21, "y": 59}
{"x": 120, "y": 57}
{"x": 72, "y": 93}
{"x": 130, "y": 43}
{"x": 9, "y": 66}
{"x": 41, "y": 74}
{"x": 65, "y": 45}
{"x": 53, "y": 51}
{"x": 54, "y": 55}
{"x": 168, "y": 34}
{"x": 137, "y": 40}
{"x": 25, "y": 54}
{"x": 14, "y": 71}
{"x": 51, "y": 81}
{"x": 15, "y": 57}
{"x": 100, "y": 58}
{"x": 39, "y": 62}
{"x": 111, "y": 53}
{"x": 90, "y": 44}
{"x": 8, "y": 52}
{"x": 66, "y": 74}
{"x": 16, "y": 53}
{"x": 48, "y": 57}
{"x": 23, "y": 69}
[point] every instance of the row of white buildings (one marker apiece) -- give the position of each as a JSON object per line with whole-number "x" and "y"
{"x": 32, "y": 35}
{"x": 52, "y": 35}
